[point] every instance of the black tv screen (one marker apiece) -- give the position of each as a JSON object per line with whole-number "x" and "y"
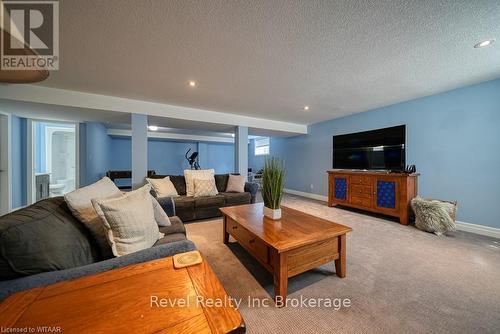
{"x": 382, "y": 149}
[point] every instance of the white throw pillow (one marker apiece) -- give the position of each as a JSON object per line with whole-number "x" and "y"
{"x": 201, "y": 174}
{"x": 130, "y": 221}
{"x": 236, "y": 183}
{"x": 205, "y": 187}
{"x": 160, "y": 215}
{"x": 163, "y": 187}
{"x": 80, "y": 203}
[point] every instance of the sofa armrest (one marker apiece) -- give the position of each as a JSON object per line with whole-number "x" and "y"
{"x": 252, "y": 188}
{"x": 167, "y": 204}
{"x": 11, "y": 286}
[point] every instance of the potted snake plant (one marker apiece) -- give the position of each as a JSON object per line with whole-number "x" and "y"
{"x": 273, "y": 182}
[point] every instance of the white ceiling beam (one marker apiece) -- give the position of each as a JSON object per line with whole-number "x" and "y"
{"x": 69, "y": 98}
{"x": 172, "y": 136}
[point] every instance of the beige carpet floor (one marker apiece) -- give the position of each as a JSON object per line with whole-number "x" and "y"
{"x": 399, "y": 279}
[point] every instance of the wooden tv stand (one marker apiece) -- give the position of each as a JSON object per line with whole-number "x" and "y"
{"x": 379, "y": 192}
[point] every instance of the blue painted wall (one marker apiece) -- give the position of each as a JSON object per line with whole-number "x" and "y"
{"x": 453, "y": 138}
{"x": 97, "y": 152}
{"x": 219, "y": 156}
{"x": 18, "y": 160}
{"x": 167, "y": 157}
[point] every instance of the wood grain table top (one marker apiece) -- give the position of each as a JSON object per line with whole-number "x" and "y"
{"x": 294, "y": 229}
{"x": 123, "y": 301}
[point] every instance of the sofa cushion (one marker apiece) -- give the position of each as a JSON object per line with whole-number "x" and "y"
{"x": 184, "y": 203}
{"x": 43, "y": 237}
{"x": 209, "y": 202}
{"x": 179, "y": 183}
{"x": 237, "y": 198}
{"x": 221, "y": 182}
{"x": 177, "y": 226}
{"x": 170, "y": 238}
{"x": 184, "y": 207}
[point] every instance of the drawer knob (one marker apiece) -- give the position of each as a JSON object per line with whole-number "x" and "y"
{"x": 235, "y": 227}
{"x": 251, "y": 241}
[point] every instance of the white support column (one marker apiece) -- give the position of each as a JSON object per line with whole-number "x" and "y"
{"x": 241, "y": 150}
{"x": 139, "y": 149}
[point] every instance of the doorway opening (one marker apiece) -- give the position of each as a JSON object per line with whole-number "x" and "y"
{"x": 54, "y": 159}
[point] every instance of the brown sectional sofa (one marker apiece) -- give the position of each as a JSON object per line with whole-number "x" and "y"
{"x": 190, "y": 208}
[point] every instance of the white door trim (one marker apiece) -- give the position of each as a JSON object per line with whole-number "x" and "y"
{"x": 77, "y": 155}
{"x": 30, "y": 163}
{"x": 6, "y": 192}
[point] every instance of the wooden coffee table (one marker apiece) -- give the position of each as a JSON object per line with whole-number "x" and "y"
{"x": 292, "y": 245}
{"x": 119, "y": 301}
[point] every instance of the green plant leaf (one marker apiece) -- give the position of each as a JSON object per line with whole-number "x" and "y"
{"x": 273, "y": 182}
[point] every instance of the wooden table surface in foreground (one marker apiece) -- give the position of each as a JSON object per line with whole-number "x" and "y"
{"x": 122, "y": 301}
{"x": 292, "y": 245}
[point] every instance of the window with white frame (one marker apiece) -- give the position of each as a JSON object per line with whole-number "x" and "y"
{"x": 261, "y": 146}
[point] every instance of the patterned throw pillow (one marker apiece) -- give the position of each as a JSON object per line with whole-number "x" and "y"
{"x": 163, "y": 187}
{"x": 236, "y": 184}
{"x": 205, "y": 187}
{"x": 130, "y": 221}
{"x": 79, "y": 202}
{"x": 190, "y": 175}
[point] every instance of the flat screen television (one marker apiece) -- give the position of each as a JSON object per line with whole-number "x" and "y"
{"x": 381, "y": 149}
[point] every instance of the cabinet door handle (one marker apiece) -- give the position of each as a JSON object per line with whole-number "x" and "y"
{"x": 235, "y": 227}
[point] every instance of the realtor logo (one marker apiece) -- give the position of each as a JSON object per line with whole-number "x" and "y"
{"x": 30, "y": 35}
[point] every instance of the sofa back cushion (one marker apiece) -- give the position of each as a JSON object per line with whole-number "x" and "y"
{"x": 221, "y": 182}
{"x": 180, "y": 183}
{"x": 43, "y": 237}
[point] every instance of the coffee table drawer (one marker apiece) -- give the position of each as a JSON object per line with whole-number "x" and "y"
{"x": 253, "y": 244}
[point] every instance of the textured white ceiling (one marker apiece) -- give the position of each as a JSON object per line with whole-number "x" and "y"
{"x": 270, "y": 58}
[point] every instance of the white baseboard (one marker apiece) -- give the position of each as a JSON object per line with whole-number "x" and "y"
{"x": 308, "y": 195}
{"x": 478, "y": 229}
{"x": 462, "y": 226}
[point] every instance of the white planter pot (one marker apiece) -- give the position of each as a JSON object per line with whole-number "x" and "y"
{"x": 272, "y": 214}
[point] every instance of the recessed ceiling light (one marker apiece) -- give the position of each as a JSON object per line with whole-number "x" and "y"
{"x": 153, "y": 128}
{"x": 192, "y": 83}
{"x": 484, "y": 43}
{"x": 306, "y": 108}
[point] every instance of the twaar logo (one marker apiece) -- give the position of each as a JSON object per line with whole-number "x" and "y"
{"x": 30, "y": 35}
